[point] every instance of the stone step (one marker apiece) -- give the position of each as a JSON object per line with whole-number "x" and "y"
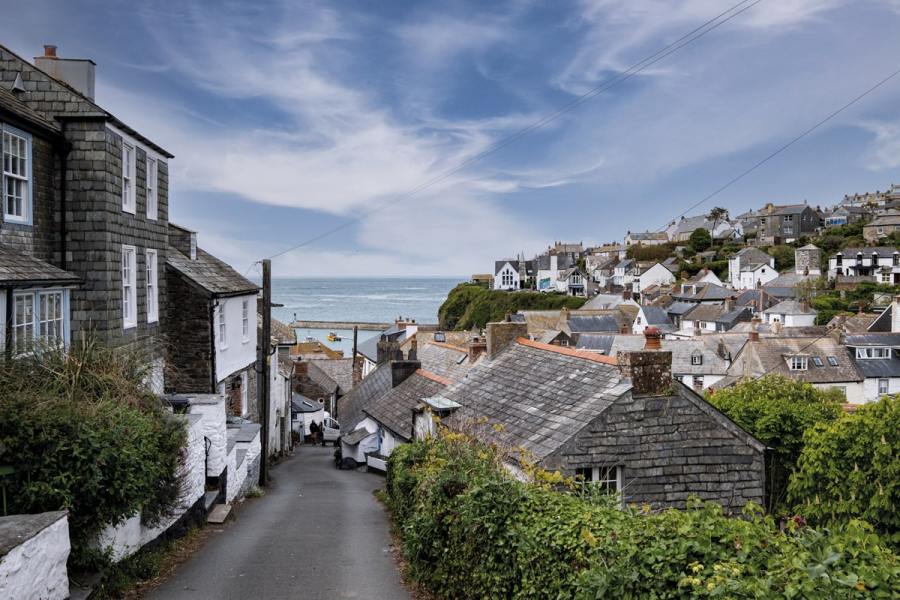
{"x": 209, "y": 498}
{"x": 219, "y": 513}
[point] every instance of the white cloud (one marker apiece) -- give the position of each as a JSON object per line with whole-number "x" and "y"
{"x": 884, "y": 152}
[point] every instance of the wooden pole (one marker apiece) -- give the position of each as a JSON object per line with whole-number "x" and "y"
{"x": 265, "y": 366}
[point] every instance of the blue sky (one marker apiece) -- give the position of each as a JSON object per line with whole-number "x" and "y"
{"x": 288, "y": 118}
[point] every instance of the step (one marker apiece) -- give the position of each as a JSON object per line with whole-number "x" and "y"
{"x": 219, "y": 513}
{"x": 209, "y": 498}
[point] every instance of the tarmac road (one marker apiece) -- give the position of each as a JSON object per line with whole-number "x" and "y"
{"x": 318, "y": 533}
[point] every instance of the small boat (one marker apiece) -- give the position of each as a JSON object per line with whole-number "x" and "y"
{"x": 333, "y": 337}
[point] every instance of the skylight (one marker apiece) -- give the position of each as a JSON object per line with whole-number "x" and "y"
{"x": 832, "y": 361}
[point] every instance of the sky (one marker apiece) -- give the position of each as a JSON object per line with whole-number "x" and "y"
{"x": 291, "y": 118}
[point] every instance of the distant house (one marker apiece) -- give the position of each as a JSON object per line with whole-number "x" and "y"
{"x": 647, "y": 274}
{"x": 785, "y": 222}
{"x": 705, "y": 275}
{"x": 882, "y": 226}
{"x": 713, "y": 317}
{"x": 877, "y": 357}
{"x": 483, "y": 279}
{"x": 212, "y": 321}
{"x": 596, "y": 422}
{"x": 791, "y": 313}
{"x": 385, "y": 347}
{"x": 845, "y": 215}
{"x": 506, "y": 275}
{"x": 573, "y": 282}
{"x": 652, "y": 316}
{"x": 878, "y": 263}
{"x": 647, "y": 238}
{"x": 622, "y": 273}
{"x": 750, "y": 268}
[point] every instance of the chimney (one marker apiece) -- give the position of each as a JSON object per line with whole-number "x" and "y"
{"x": 729, "y": 304}
{"x": 301, "y": 369}
{"x": 184, "y": 240}
{"x": 501, "y": 335}
{"x": 413, "y": 350}
{"x": 77, "y": 73}
{"x": 650, "y": 369}
{"x": 804, "y": 304}
{"x": 895, "y": 315}
{"x": 402, "y": 369}
{"x": 626, "y": 294}
{"x": 477, "y": 347}
{"x": 754, "y": 329}
{"x": 386, "y": 350}
{"x": 356, "y": 376}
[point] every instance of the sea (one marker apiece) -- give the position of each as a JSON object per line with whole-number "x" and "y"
{"x": 379, "y": 300}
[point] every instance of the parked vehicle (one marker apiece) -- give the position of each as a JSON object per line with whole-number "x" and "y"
{"x": 331, "y": 431}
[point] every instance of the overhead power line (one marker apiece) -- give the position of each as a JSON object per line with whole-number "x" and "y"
{"x": 743, "y": 174}
{"x": 688, "y": 38}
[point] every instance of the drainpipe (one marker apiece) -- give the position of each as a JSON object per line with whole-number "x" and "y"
{"x": 212, "y": 344}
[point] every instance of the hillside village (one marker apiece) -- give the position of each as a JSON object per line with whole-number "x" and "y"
{"x": 614, "y": 390}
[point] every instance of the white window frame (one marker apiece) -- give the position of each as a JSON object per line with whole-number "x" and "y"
{"x": 798, "y": 363}
{"x": 245, "y": 319}
{"x": 24, "y": 325}
{"x": 37, "y": 329}
{"x": 129, "y": 175}
{"x": 151, "y": 266}
{"x": 884, "y": 386}
{"x": 222, "y": 327}
{"x": 874, "y": 352}
{"x": 612, "y": 484}
{"x": 46, "y": 302}
{"x": 129, "y": 286}
{"x": 27, "y": 209}
{"x": 152, "y": 177}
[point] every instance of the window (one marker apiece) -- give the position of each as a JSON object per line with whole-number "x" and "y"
{"x": 507, "y": 277}
{"x": 797, "y": 363}
{"x": 245, "y": 320}
{"x": 896, "y": 259}
{"x": 698, "y": 382}
{"x": 222, "y": 339}
{"x": 789, "y": 229}
{"x": 832, "y": 360}
{"x": 23, "y": 322}
{"x": 152, "y": 205}
{"x": 817, "y": 361}
{"x": 885, "y": 277}
{"x": 883, "y": 385}
{"x": 50, "y": 312}
{"x": 606, "y": 478}
{"x": 788, "y": 218}
{"x": 839, "y": 260}
{"x": 16, "y": 176}
{"x": 129, "y": 287}
{"x": 696, "y": 358}
{"x": 865, "y": 353}
{"x": 152, "y": 286}
{"x": 128, "y": 170}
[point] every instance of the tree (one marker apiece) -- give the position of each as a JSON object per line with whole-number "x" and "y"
{"x": 700, "y": 240}
{"x": 717, "y": 215}
{"x": 778, "y": 411}
{"x": 850, "y": 469}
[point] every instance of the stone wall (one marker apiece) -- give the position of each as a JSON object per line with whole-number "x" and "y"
{"x": 33, "y": 554}
{"x": 669, "y": 448}
{"x": 189, "y": 329}
{"x": 501, "y": 335}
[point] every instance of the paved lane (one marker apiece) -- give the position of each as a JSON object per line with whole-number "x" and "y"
{"x": 318, "y": 533}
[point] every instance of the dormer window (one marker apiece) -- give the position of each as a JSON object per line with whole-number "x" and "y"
{"x": 869, "y": 353}
{"x": 798, "y": 363}
{"x": 696, "y": 358}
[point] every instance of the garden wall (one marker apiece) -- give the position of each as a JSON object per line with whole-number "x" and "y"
{"x": 33, "y": 554}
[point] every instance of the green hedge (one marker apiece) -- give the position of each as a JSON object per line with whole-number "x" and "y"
{"x": 469, "y": 305}
{"x": 84, "y": 434}
{"x": 470, "y": 531}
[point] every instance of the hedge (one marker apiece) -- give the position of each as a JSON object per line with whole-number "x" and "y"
{"x": 84, "y": 434}
{"x": 468, "y": 530}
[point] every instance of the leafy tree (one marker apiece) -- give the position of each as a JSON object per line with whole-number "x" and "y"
{"x": 850, "y": 468}
{"x": 783, "y": 255}
{"x": 778, "y": 411}
{"x": 717, "y": 215}
{"x": 641, "y": 252}
{"x": 700, "y": 240}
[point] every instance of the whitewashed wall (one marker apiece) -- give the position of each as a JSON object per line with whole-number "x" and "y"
{"x": 126, "y": 538}
{"x": 236, "y": 353}
{"x": 36, "y": 569}
{"x": 212, "y": 410}
{"x": 855, "y": 391}
{"x": 870, "y": 388}
{"x": 369, "y": 444}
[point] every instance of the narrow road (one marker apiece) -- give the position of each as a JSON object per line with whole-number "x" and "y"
{"x": 318, "y": 533}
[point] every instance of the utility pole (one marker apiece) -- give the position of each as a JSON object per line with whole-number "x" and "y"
{"x": 264, "y": 367}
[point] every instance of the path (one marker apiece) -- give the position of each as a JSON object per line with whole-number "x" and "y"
{"x": 318, "y": 533}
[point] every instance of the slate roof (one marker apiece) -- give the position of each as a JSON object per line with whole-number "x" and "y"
{"x": 541, "y": 396}
{"x": 356, "y": 436}
{"x": 338, "y": 370}
{"x": 784, "y": 286}
{"x": 394, "y": 408}
{"x": 882, "y": 251}
{"x": 302, "y": 404}
{"x": 655, "y": 315}
{"x": 790, "y": 307}
{"x": 878, "y": 367}
{"x": 884, "y": 321}
{"x": 769, "y": 355}
{"x": 11, "y": 103}
{"x": 751, "y": 299}
{"x": 873, "y": 339}
{"x": 680, "y": 308}
{"x": 444, "y": 360}
{"x": 853, "y": 324}
{"x": 350, "y": 407}
{"x": 705, "y": 312}
{"x": 593, "y": 324}
{"x": 210, "y": 273}
{"x": 707, "y": 347}
{"x": 742, "y": 313}
{"x": 22, "y": 269}
{"x": 369, "y": 347}
{"x": 690, "y": 224}
{"x": 595, "y": 342}
{"x": 649, "y": 235}
{"x": 892, "y": 218}
{"x": 606, "y": 301}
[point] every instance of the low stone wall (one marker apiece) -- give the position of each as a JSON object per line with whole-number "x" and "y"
{"x": 126, "y": 538}
{"x": 33, "y": 554}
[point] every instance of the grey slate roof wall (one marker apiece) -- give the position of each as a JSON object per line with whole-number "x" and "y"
{"x": 210, "y": 273}
{"x": 393, "y": 409}
{"x": 443, "y": 361}
{"x": 21, "y": 269}
{"x": 669, "y": 448}
{"x": 350, "y": 407}
{"x": 768, "y": 355}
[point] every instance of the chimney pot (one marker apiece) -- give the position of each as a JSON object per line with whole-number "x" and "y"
{"x": 49, "y": 51}
{"x": 652, "y": 338}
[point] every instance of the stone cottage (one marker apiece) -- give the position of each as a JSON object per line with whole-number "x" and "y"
{"x": 211, "y": 320}
{"x": 85, "y": 201}
{"x": 619, "y": 422}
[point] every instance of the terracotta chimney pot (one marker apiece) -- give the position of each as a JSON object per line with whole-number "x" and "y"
{"x": 652, "y": 338}
{"x": 49, "y": 51}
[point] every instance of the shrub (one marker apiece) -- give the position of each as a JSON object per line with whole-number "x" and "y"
{"x": 468, "y": 305}
{"x": 700, "y": 240}
{"x": 469, "y": 530}
{"x": 778, "y": 411}
{"x": 850, "y": 468}
{"x": 659, "y": 252}
{"x": 84, "y": 434}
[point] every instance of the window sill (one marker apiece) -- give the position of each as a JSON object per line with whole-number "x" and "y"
{"x": 151, "y": 321}
{"x": 11, "y": 220}
{"x": 129, "y": 325}
{"x": 130, "y": 211}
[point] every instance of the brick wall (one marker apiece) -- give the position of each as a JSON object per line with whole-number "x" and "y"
{"x": 669, "y": 448}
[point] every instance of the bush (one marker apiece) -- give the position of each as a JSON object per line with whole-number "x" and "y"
{"x": 84, "y": 434}
{"x": 700, "y": 240}
{"x": 778, "y": 411}
{"x": 850, "y": 468}
{"x": 658, "y": 252}
{"x": 469, "y": 530}
{"x": 470, "y": 306}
